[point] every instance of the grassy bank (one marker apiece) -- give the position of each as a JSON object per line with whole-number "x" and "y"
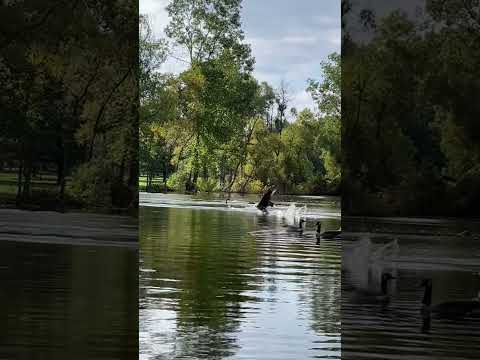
{"x": 45, "y": 196}
{"x": 158, "y": 186}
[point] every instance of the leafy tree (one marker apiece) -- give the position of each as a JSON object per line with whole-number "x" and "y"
{"x": 214, "y": 127}
{"x": 69, "y": 100}
{"x": 205, "y": 28}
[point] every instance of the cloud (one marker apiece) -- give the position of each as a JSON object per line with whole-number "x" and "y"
{"x": 299, "y": 40}
{"x": 328, "y": 21}
{"x": 303, "y": 100}
{"x": 157, "y": 14}
{"x": 288, "y": 41}
{"x": 333, "y": 37}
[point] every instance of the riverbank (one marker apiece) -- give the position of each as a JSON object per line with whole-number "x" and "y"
{"x": 411, "y": 225}
{"x": 67, "y": 228}
{"x": 227, "y": 194}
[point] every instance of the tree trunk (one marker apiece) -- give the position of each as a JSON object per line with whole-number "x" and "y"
{"x": 27, "y": 172}
{"x": 121, "y": 171}
{"x": 133, "y": 184}
{"x": 19, "y": 182}
{"x": 133, "y": 175}
{"x": 149, "y": 181}
{"x": 165, "y": 175}
{"x": 60, "y": 161}
{"x": 195, "y": 165}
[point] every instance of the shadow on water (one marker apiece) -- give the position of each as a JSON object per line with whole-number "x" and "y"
{"x": 235, "y": 284}
{"x": 63, "y": 301}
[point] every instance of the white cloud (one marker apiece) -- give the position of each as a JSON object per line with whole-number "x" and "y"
{"x": 324, "y": 20}
{"x": 156, "y": 12}
{"x": 333, "y": 37}
{"x": 302, "y": 100}
{"x": 299, "y": 40}
{"x": 287, "y": 45}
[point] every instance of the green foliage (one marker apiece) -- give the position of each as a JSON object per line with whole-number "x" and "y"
{"x": 327, "y": 93}
{"x": 207, "y": 185}
{"x": 213, "y": 127}
{"x": 410, "y": 129}
{"x": 206, "y": 28}
{"x": 177, "y": 181}
{"x": 90, "y": 184}
{"x": 69, "y": 94}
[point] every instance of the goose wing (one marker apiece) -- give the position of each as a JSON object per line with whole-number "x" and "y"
{"x": 265, "y": 201}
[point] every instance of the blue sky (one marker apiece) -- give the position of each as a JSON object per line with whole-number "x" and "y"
{"x": 289, "y": 39}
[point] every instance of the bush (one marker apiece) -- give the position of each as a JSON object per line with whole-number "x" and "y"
{"x": 207, "y": 185}
{"x": 91, "y": 183}
{"x": 255, "y": 187}
{"x": 177, "y": 181}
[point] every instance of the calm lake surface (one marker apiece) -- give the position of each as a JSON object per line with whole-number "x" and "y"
{"x": 68, "y": 286}
{"x": 418, "y": 249}
{"x": 224, "y": 281}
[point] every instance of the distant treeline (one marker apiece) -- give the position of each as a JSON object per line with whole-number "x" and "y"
{"x": 410, "y": 122}
{"x": 69, "y": 102}
{"x": 214, "y": 127}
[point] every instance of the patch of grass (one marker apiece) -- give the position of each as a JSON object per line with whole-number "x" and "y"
{"x": 157, "y": 184}
{"x": 8, "y": 183}
{"x": 142, "y": 180}
{"x": 44, "y": 191}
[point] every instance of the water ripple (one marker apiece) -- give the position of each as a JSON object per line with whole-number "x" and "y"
{"x": 235, "y": 286}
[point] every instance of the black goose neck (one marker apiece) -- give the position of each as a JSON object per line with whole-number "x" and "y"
{"x": 427, "y": 295}
{"x": 384, "y": 285}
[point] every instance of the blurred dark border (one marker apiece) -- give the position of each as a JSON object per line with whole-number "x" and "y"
{"x": 69, "y": 179}
{"x": 410, "y": 178}
{"x": 410, "y": 132}
{"x": 69, "y": 105}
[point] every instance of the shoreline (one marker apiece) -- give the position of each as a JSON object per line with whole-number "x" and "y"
{"x": 73, "y": 228}
{"x": 235, "y": 193}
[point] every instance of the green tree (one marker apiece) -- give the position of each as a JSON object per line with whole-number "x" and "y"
{"x": 205, "y": 28}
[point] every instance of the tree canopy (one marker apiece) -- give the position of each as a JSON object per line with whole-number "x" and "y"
{"x": 409, "y": 129}
{"x": 68, "y": 104}
{"x": 214, "y": 127}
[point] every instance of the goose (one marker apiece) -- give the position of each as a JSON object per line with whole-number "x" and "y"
{"x": 331, "y": 234}
{"x": 298, "y": 229}
{"x": 387, "y": 251}
{"x": 464, "y": 233}
{"x": 300, "y": 225}
{"x": 265, "y": 202}
{"x": 318, "y": 234}
{"x": 373, "y": 295}
{"x": 448, "y": 309}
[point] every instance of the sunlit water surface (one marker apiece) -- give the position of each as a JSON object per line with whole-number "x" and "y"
{"x": 224, "y": 281}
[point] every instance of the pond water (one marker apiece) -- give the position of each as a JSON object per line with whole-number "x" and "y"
{"x": 224, "y": 281}
{"x": 414, "y": 250}
{"x": 68, "y": 288}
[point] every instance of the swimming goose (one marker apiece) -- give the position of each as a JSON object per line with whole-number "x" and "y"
{"x": 318, "y": 234}
{"x": 298, "y": 229}
{"x": 458, "y": 308}
{"x": 375, "y": 296}
{"x": 331, "y": 234}
{"x": 300, "y": 225}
